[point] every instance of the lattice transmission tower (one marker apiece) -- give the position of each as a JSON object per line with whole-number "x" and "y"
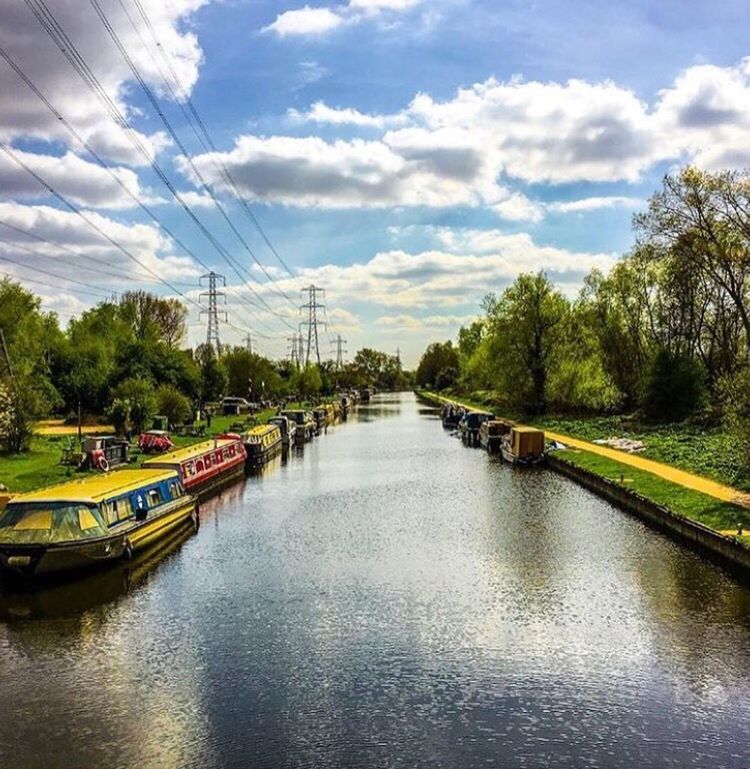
{"x": 312, "y": 323}
{"x": 214, "y": 296}
{"x": 341, "y": 350}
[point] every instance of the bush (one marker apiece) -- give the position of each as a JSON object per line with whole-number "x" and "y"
{"x": 133, "y": 406}
{"x": 173, "y": 404}
{"x": 674, "y": 387}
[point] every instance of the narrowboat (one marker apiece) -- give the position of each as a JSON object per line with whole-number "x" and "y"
{"x": 92, "y": 521}
{"x": 450, "y": 415}
{"x": 261, "y": 444}
{"x": 491, "y": 434}
{"x": 207, "y": 465}
{"x": 523, "y": 445}
{"x": 320, "y": 415}
{"x": 470, "y": 424}
{"x": 288, "y": 430}
{"x": 305, "y": 424}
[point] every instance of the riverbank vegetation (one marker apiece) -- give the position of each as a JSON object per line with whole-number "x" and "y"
{"x": 123, "y": 362}
{"x": 656, "y": 348}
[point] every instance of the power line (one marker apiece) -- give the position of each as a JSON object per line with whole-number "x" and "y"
{"x": 207, "y": 136}
{"x": 174, "y": 135}
{"x": 60, "y": 38}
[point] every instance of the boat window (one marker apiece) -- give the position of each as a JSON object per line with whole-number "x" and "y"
{"x": 154, "y": 497}
{"x": 231, "y": 450}
{"x": 56, "y": 522}
{"x": 174, "y": 489}
{"x": 219, "y": 456}
{"x": 199, "y": 466}
{"x": 189, "y": 468}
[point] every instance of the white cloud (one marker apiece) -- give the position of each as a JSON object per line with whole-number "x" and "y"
{"x": 594, "y": 203}
{"x": 23, "y": 114}
{"x": 84, "y": 183}
{"x": 414, "y": 323}
{"x": 71, "y": 233}
{"x": 320, "y": 112}
{"x": 308, "y": 21}
{"x": 311, "y": 172}
{"x": 305, "y": 21}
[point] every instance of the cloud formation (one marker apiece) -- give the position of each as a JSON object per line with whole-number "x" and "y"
{"x": 470, "y": 149}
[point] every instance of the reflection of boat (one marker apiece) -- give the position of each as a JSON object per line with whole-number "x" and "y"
{"x": 88, "y": 522}
{"x": 59, "y": 598}
{"x": 205, "y": 466}
{"x": 523, "y": 445}
{"x": 261, "y": 443}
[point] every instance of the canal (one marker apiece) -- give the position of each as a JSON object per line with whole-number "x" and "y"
{"x": 388, "y": 598}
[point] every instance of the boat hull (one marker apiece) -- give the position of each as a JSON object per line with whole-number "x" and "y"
{"x": 509, "y": 457}
{"x": 39, "y": 560}
{"x": 256, "y": 459}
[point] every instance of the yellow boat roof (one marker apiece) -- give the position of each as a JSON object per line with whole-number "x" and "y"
{"x": 190, "y": 452}
{"x": 95, "y": 488}
{"x": 262, "y": 429}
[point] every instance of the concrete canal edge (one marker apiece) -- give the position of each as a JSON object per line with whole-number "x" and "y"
{"x": 720, "y": 548}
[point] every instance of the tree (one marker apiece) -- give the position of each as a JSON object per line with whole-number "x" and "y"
{"x": 307, "y": 381}
{"x": 524, "y": 328}
{"x": 152, "y": 318}
{"x": 213, "y": 374}
{"x": 134, "y": 405}
{"x": 439, "y": 365}
{"x": 171, "y": 403}
{"x": 673, "y": 388}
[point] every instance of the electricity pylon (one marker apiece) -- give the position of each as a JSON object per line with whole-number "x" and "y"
{"x": 213, "y": 312}
{"x": 312, "y": 322}
{"x": 340, "y": 351}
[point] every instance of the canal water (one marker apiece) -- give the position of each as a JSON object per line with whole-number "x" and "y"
{"x": 388, "y": 598}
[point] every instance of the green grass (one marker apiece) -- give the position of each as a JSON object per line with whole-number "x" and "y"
{"x": 686, "y": 502}
{"x": 40, "y": 466}
{"x": 710, "y": 452}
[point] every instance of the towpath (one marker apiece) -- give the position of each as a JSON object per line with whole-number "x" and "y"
{"x": 668, "y": 472}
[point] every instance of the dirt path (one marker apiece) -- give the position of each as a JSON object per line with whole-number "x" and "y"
{"x": 668, "y": 472}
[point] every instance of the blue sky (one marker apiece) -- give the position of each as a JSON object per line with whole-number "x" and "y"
{"x": 408, "y": 156}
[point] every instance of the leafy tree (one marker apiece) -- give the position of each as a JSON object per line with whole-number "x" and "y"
{"x": 213, "y": 374}
{"x": 438, "y": 367}
{"x": 307, "y": 381}
{"x": 134, "y": 405}
{"x": 171, "y": 403}
{"x": 674, "y": 386}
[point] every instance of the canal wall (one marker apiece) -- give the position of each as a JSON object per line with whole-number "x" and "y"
{"x": 723, "y": 549}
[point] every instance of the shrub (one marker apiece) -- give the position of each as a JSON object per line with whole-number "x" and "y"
{"x": 673, "y": 388}
{"x": 173, "y": 404}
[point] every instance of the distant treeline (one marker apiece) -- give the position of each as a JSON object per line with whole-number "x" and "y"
{"x": 127, "y": 360}
{"x": 664, "y": 333}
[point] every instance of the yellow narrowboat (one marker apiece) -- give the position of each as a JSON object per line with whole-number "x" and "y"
{"x": 91, "y": 521}
{"x": 261, "y": 444}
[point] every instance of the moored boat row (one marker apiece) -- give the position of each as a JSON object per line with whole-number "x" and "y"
{"x": 102, "y": 518}
{"x": 517, "y": 444}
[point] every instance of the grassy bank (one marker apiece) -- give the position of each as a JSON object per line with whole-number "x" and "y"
{"x": 711, "y": 452}
{"x": 718, "y": 515}
{"x": 40, "y": 466}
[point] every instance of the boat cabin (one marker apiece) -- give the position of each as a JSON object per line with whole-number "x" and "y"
{"x": 491, "y": 433}
{"x": 287, "y": 427}
{"x": 261, "y": 443}
{"x": 305, "y": 423}
{"x": 89, "y": 521}
{"x": 205, "y": 465}
{"x": 523, "y": 445}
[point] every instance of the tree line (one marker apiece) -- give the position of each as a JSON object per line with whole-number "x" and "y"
{"x": 127, "y": 360}
{"x": 664, "y": 333}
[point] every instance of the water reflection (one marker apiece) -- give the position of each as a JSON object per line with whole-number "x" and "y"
{"x": 389, "y": 597}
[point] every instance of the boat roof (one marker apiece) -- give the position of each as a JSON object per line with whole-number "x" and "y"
{"x": 261, "y": 429}
{"x": 95, "y": 488}
{"x": 526, "y": 429}
{"x": 190, "y": 452}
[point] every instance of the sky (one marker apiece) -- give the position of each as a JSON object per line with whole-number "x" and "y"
{"x": 407, "y": 156}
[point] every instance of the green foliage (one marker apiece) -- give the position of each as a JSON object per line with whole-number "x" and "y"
{"x": 133, "y": 405}
{"x": 251, "y": 375}
{"x": 171, "y": 403}
{"x": 439, "y": 366}
{"x": 673, "y": 387}
{"x": 213, "y": 374}
{"x": 307, "y": 381}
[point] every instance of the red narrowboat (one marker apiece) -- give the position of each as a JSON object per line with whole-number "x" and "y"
{"x": 205, "y": 466}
